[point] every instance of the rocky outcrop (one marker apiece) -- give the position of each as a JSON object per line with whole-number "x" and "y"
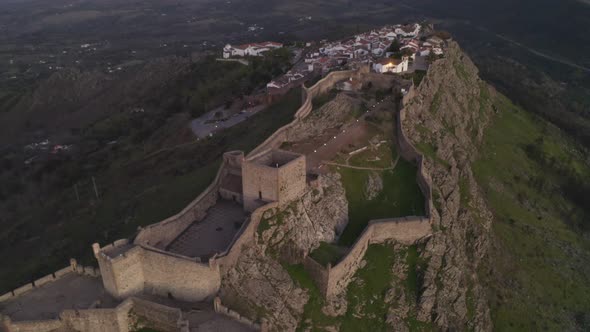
{"x": 320, "y": 215}
{"x": 258, "y": 286}
{"x": 333, "y": 114}
{"x": 445, "y": 120}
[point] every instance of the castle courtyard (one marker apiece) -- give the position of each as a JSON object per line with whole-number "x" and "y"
{"x": 211, "y": 235}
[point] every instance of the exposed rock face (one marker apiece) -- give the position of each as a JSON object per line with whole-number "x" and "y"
{"x": 258, "y": 286}
{"x": 333, "y": 114}
{"x": 445, "y": 119}
{"x": 320, "y": 215}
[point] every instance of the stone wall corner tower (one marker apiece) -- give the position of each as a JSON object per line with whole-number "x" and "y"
{"x": 273, "y": 176}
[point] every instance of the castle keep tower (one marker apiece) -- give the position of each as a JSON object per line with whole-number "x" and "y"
{"x": 274, "y": 176}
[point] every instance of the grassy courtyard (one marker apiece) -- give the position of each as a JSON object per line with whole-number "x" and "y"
{"x": 380, "y": 157}
{"x": 400, "y": 197}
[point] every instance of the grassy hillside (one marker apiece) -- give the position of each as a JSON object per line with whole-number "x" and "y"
{"x": 536, "y": 181}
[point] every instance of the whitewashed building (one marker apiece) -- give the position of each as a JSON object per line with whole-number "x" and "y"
{"x": 388, "y": 65}
{"x": 253, "y": 49}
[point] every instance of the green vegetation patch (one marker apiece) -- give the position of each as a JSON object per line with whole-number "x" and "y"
{"x": 429, "y": 151}
{"x": 418, "y": 76}
{"x": 328, "y": 253}
{"x": 461, "y": 71}
{"x": 212, "y": 82}
{"x": 484, "y": 96}
{"x": 367, "y": 309}
{"x": 527, "y": 169}
{"x": 400, "y": 197}
{"x": 366, "y": 295}
{"x": 263, "y": 226}
{"x": 313, "y": 317}
{"x": 464, "y": 191}
{"x": 380, "y": 157}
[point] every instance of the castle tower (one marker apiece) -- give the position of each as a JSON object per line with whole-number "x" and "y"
{"x": 273, "y": 176}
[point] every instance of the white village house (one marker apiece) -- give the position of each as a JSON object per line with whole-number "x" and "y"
{"x": 388, "y": 65}
{"x": 408, "y": 31}
{"x": 252, "y": 49}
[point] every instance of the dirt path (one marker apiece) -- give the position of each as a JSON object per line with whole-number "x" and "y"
{"x": 354, "y": 132}
{"x": 363, "y": 168}
{"x": 350, "y": 135}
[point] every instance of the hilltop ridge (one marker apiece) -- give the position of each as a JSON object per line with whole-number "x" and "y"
{"x": 445, "y": 118}
{"x": 506, "y": 207}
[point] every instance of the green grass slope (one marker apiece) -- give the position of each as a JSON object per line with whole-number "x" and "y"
{"x": 536, "y": 181}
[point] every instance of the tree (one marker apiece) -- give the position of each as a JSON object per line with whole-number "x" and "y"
{"x": 394, "y": 47}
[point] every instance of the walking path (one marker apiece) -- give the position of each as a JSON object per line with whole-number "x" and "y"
{"x": 349, "y": 135}
{"x": 363, "y": 168}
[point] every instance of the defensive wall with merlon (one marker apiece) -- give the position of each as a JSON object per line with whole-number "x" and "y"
{"x": 55, "y": 276}
{"x": 161, "y": 234}
{"x": 322, "y": 86}
{"x": 333, "y": 280}
{"x": 122, "y": 318}
{"x": 141, "y": 269}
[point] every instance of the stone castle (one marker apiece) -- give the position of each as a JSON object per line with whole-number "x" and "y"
{"x": 189, "y": 243}
{"x": 184, "y": 257}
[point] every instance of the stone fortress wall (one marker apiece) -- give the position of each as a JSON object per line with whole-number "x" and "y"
{"x": 72, "y": 268}
{"x": 332, "y": 281}
{"x": 118, "y": 319}
{"x": 322, "y": 86}
{"x": 143, "y": 270}
{"x": 246, "y": 236}
{"x": 221, "y": 309}
{"x": 144, "y": 266}
{"x": 159, "y": 235}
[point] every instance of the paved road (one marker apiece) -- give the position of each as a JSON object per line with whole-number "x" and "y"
{"x": 206, "y": 124}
